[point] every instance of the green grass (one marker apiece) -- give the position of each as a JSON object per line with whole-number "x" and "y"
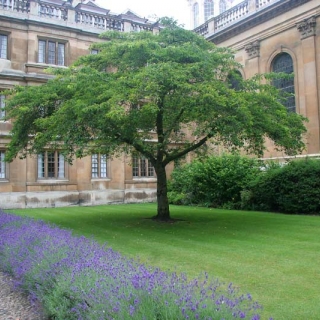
{"x": 275, "y": 257}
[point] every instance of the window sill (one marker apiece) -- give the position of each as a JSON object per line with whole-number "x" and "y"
{"x": 43, "y": 65}
{"x": 100, "y": 179}
{"x": 48, "y": 181}
{"x": 142, "y": 180}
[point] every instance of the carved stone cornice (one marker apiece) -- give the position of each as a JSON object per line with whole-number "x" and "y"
{"x": 307, "y": 27}
{"x": 253, "y": 49}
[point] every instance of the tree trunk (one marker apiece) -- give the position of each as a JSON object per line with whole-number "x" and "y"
{"x": 163, "y": 212}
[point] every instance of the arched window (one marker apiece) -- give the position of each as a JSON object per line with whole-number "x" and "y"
{"x": 283, "y": 63}
{"x": 208, "y": 9}
{"x": 222, "y": 6}
{"x": 234, "y": 80}
{"x": 196, "y": 14}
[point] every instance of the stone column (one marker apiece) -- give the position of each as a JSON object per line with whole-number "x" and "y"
{"x": 307, "y": 30}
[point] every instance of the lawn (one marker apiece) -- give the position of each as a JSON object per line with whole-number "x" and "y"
{"x": 275, "y": 257}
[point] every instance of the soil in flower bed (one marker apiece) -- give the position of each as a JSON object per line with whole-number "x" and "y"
{"x": 14, "y": 304}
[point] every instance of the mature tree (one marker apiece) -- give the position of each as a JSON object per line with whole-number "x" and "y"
{"x": 162, "y": 96}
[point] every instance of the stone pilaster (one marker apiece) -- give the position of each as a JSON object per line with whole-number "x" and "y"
{"x": 311, "y": 95}
{"x": 253, "y": 49}
{"x": 252, "y": 61}
{"x": 307, "y": 27}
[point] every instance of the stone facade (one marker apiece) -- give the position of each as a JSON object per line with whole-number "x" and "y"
{"x": 264, "y": 32}
{"x": 35, "y": 35}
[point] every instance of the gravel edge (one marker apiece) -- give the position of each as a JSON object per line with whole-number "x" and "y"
{"x": 14, "y": 304}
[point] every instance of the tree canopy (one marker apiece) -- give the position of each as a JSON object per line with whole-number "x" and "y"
{"x": 162, "y": 95}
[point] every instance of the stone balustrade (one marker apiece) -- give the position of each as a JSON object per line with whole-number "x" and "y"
{"x": 233, "y": 15}
{"x": 263, "y": 3}
{"x": 62, "y": 12}
{"x": 202, "y": 30}
{"x": 99, "y": 21}
{"x": 15, "y": 5}
{"x": 52, "y": 11}
{"x": 136, "y": 27}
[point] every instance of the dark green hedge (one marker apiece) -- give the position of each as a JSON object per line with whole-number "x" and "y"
{"x": 236, "y": 182}
{"x": 293, "y": 188}
{"x": 213, "y": 181}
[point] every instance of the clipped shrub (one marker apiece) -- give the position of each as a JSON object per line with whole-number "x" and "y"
{"x": 76, "y": 278}
{"x": 293, "y": 188}
{"x": 213, "y": 181}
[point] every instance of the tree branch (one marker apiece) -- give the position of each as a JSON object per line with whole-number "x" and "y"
{"x": 138, "y": 147}
{"x": 168, "y": 132}
{"x": 187, "y": 150}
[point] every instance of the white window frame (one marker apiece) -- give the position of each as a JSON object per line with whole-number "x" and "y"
{"x": 196, "y": 14}
{"x": 2, "y": 165}
{"x": 3, "y": 46}
{"x": 51, "y": 165}
{"x": 208, "y": 9}
{"x": 99, "y": 166}
{"x": 222, "y": 6}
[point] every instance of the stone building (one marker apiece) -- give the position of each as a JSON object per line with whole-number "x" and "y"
{"x": 267, "y": 35}
{"x": 35, "y": 35}
{"x": 203, "y": 10}
{"x": 277, "y": 36}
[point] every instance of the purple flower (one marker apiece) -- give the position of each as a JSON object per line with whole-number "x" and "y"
{"x": 76, "y": 276}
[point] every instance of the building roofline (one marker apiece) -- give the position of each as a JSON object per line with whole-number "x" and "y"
{"x": 254, "y": 19}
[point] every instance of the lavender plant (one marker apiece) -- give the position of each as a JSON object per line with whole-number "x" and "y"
{"x": 77, "y": 278}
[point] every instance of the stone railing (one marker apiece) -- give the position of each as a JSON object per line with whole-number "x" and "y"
{"x": 15, "y": 5}
{"x": 202, "y": 30}
{"x": 52, "y": 11}
{"x": 235, "y": 13}
{"x": 98, "y": 21}
{"x": 263, "y": 3}
{"x": 137, "y": 27}
{"x": 59, "y": 12}
{"x": 231, "y": 16}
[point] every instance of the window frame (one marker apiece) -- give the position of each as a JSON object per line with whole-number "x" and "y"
{"x": 3, "y": 166}
{"x": 196, "y": 14}
{"x": 285, "y": 85}
{"x": 5, "y": 36}
{"x": 50, "y": 166}
{"x": 49, "y": 51}
{"x": 142, "y": 167}
{"x": 234, "y": 80}
{"x": 2, "y": 106}
{"x": 222, "y": 6}
{"x": 208, "y": 9}
{"x": 99, "y": 166}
